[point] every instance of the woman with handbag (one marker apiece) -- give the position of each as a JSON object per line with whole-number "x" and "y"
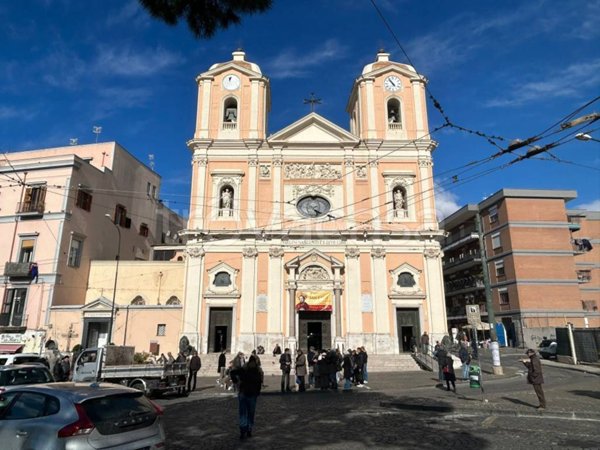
{"x": 301, "y": 370}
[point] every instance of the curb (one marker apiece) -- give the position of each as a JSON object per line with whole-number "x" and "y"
{"x": 578, "y": 368}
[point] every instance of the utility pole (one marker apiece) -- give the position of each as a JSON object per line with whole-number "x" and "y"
{"x": 496, "y": 365}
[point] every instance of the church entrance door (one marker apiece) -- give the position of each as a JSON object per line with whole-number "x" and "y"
{"x": 219, "y": 329}
{"x": 408, "y": 327}
{"x": 314, "y": 330}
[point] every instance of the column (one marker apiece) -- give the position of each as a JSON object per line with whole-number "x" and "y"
{"x": 426, "y": 194}
{"x": 193, "y": 285}
{"x": 251, "y": 204}
{"x": 371, "y": 129}
{"x": 275, "y": 300}
{"x": 374, "y": 185}
{"x": 246, "y": 309}
{"x": 291, "y": 338}
{"x": 383, "y": 342}
{"x": 254, "y": 97}
{"x": 353, "y": 292}
{"x": 435, "y": 293}
{"x": 198, "y": 201}
{"x": 349, "y": 189}
{"x": 277, "y": 185}
{"x": 203, "y": 111}
{"x": 420, "y": 112}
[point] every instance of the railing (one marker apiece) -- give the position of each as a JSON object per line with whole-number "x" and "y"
{"x": 30, "y": 207}
{"x": 395, "y": 126}
{"x": 463, "y": 260}
{"x": 229, "y": 126}
{"x": 14, "y": 269}
{"x": 461, "y": 237}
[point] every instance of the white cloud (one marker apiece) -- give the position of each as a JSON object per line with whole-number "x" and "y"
{"x": 130, "y": 14}
{"x": 291, "y": 64}
{"x": 580, "y": 75}
{"x": 445, "y": 202}
{"x": 591, "y": 206}
{"x": 134, "y": 62}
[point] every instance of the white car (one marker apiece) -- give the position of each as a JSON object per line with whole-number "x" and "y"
{"x": 547, "y": 348}
{"x": 22, "y": 358}
{"x": 76, "y": 416}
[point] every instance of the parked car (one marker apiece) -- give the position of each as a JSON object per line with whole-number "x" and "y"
{"x": 22, "y": 358}
{"x": 547, "y": 348}
{"x": 79, "y": 416}
{"x": 24, "y": 374}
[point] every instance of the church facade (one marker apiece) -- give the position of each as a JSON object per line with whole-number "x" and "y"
{"x": 314, "y": 235}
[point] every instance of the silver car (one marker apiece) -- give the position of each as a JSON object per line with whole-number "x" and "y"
{"x": 79, "y": 416}
{"x": 24, "y": 374}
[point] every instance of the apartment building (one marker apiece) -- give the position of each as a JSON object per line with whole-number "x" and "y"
{"x": 541, "y": 259}
{"x": 53, "y": 208}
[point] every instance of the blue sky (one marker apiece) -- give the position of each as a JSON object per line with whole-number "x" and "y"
{"x": 508, "y": 69}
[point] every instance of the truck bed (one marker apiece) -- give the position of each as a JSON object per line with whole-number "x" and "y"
{"x": 145, "y": 370}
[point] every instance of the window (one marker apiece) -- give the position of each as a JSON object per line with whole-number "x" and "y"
{"x": 138, "y": 301}
{"x": 496, "y": 241}
{"x": 161, "y": 329}
{"x": 500, "y": 268}
{"x": 493, "y": 213}
{"x": 13, "y": 307}
{"x": 504, "y": 300}
{"x": 584, "y": 276}
{"x": 153, "y": 191}
{"x": 393, "y": 114}
{"x": 222, "y": 279}
{"x": 84, "y": 200}
{"x": 75, "y": 252}
{"x": 34, "y": 198}
{"x": 230, "y": 113}
{"x": 144, "y": 230}
{"x": 26, "y": 251}
{"x": 29, "y": 405}
{"x": 173, "y": 300}
{"x": 148, "y": 188}
{"x": 589, "y": 305}
{"x": 120, "y": 215}
{"x": 406, "y": 279}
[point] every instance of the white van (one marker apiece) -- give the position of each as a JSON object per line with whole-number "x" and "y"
{"x": 22, "y": 358}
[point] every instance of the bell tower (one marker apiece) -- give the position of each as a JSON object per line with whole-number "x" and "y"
{"x": 233, "y": 101}
{"x": 387, "y": 102}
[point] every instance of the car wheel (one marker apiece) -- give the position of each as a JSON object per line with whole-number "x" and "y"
{"x": 139, "y": 386}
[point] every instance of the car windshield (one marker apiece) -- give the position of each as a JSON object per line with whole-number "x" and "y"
{"x": 24, "y": 375}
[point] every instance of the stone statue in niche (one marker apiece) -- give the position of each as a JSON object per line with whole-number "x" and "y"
{"x": 226, "y": 199}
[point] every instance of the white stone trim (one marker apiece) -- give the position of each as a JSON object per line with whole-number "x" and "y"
{"x": 391, "y": 181}
{"x": 407, "y": 291}
{"x": 222, "y": 290}
{"x": 220, "y": 179}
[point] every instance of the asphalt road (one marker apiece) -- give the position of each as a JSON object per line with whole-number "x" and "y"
{"x": 403, "y": 410}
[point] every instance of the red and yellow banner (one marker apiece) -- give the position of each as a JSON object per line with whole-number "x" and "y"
{"x": 314, "y": 300}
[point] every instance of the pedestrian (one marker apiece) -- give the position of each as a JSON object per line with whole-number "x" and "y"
{"x": 449, "y": 375}
{"x": 332, "y": 364}
{"x": 425, "y": 343}
{"x": 312, "y": 359}
{"x": 193, "y": 368}
{"x": 66, "y": 367}
{"x": 440, "y": 354}
{"x": 58, "y": 371}
{"x": 285, "y": 364}
{"x": 221, "y": 367}
{"x": 348, "y": 366}
{"x": 359, "y": 362}
{"x": 465, "y": 359}
{"x": 301, "y": 370}
{"x": 237, "y": 364}
{"x": 535, "y": 376}
{"x": 250, "y": 382}
{"x": 277, "y": 350}
{"x": 365, "y": 364}
{"x": 256, "y": 358}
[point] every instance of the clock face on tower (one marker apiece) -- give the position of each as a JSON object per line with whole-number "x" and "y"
{"x": 392, "y": 83}
{"x": 231, "y": 82}
{"x": 313, "y": 206}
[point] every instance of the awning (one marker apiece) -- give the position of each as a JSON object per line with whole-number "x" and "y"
{"x": 10, "y": 348}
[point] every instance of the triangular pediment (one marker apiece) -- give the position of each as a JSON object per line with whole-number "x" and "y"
{"x": 398, "y": 68}
{"x": 313, "y": 129}
{"x": 231, "y": 65}
{"x": 314, "y": 255}
{"x": 100, "y": 304}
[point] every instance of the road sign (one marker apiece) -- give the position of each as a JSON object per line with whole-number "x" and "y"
{"x": 473, "y": 315}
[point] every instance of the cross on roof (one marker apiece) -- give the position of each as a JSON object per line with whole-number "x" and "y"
{"x": 312, "y": 101}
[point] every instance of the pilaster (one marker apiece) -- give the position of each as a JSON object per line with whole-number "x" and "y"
{"x": 192, "y": 303}
{"x": 275, "y": 300}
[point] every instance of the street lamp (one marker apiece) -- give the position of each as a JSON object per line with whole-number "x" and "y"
{"x": 112, "y": 308}
{"x": 585, "y": 137}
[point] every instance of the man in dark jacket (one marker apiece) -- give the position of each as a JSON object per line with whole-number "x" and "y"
{"x": 535, "y": 376}
{"x": 194, "y": 367}
{"x": 348, "y": 366}
{"x": 285, "y": 364}
{"x": 441, "y": 354}
{"x": 251, "y": 381}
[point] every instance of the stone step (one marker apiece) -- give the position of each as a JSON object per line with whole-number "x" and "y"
{"x": 270, "y": 364}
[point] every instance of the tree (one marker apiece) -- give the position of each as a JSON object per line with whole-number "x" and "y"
{"x": 204, "y": 17}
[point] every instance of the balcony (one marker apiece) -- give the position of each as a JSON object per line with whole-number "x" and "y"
{"x": 17, "y": 270}
{"x": 229, "y": 126}
{"x": 454, "y": 241}
{"x": 394, "y": 126}
{"x": 465, "y": 262}
{"x": 581, "y": 246}
{"x": 463, "y": 285}
{"x": 31, "y": 208}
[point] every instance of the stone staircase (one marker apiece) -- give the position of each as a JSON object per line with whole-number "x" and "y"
{"x": 270, "y": 364}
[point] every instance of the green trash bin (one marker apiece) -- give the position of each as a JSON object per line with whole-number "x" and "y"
{"x": 475, "y": 376}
